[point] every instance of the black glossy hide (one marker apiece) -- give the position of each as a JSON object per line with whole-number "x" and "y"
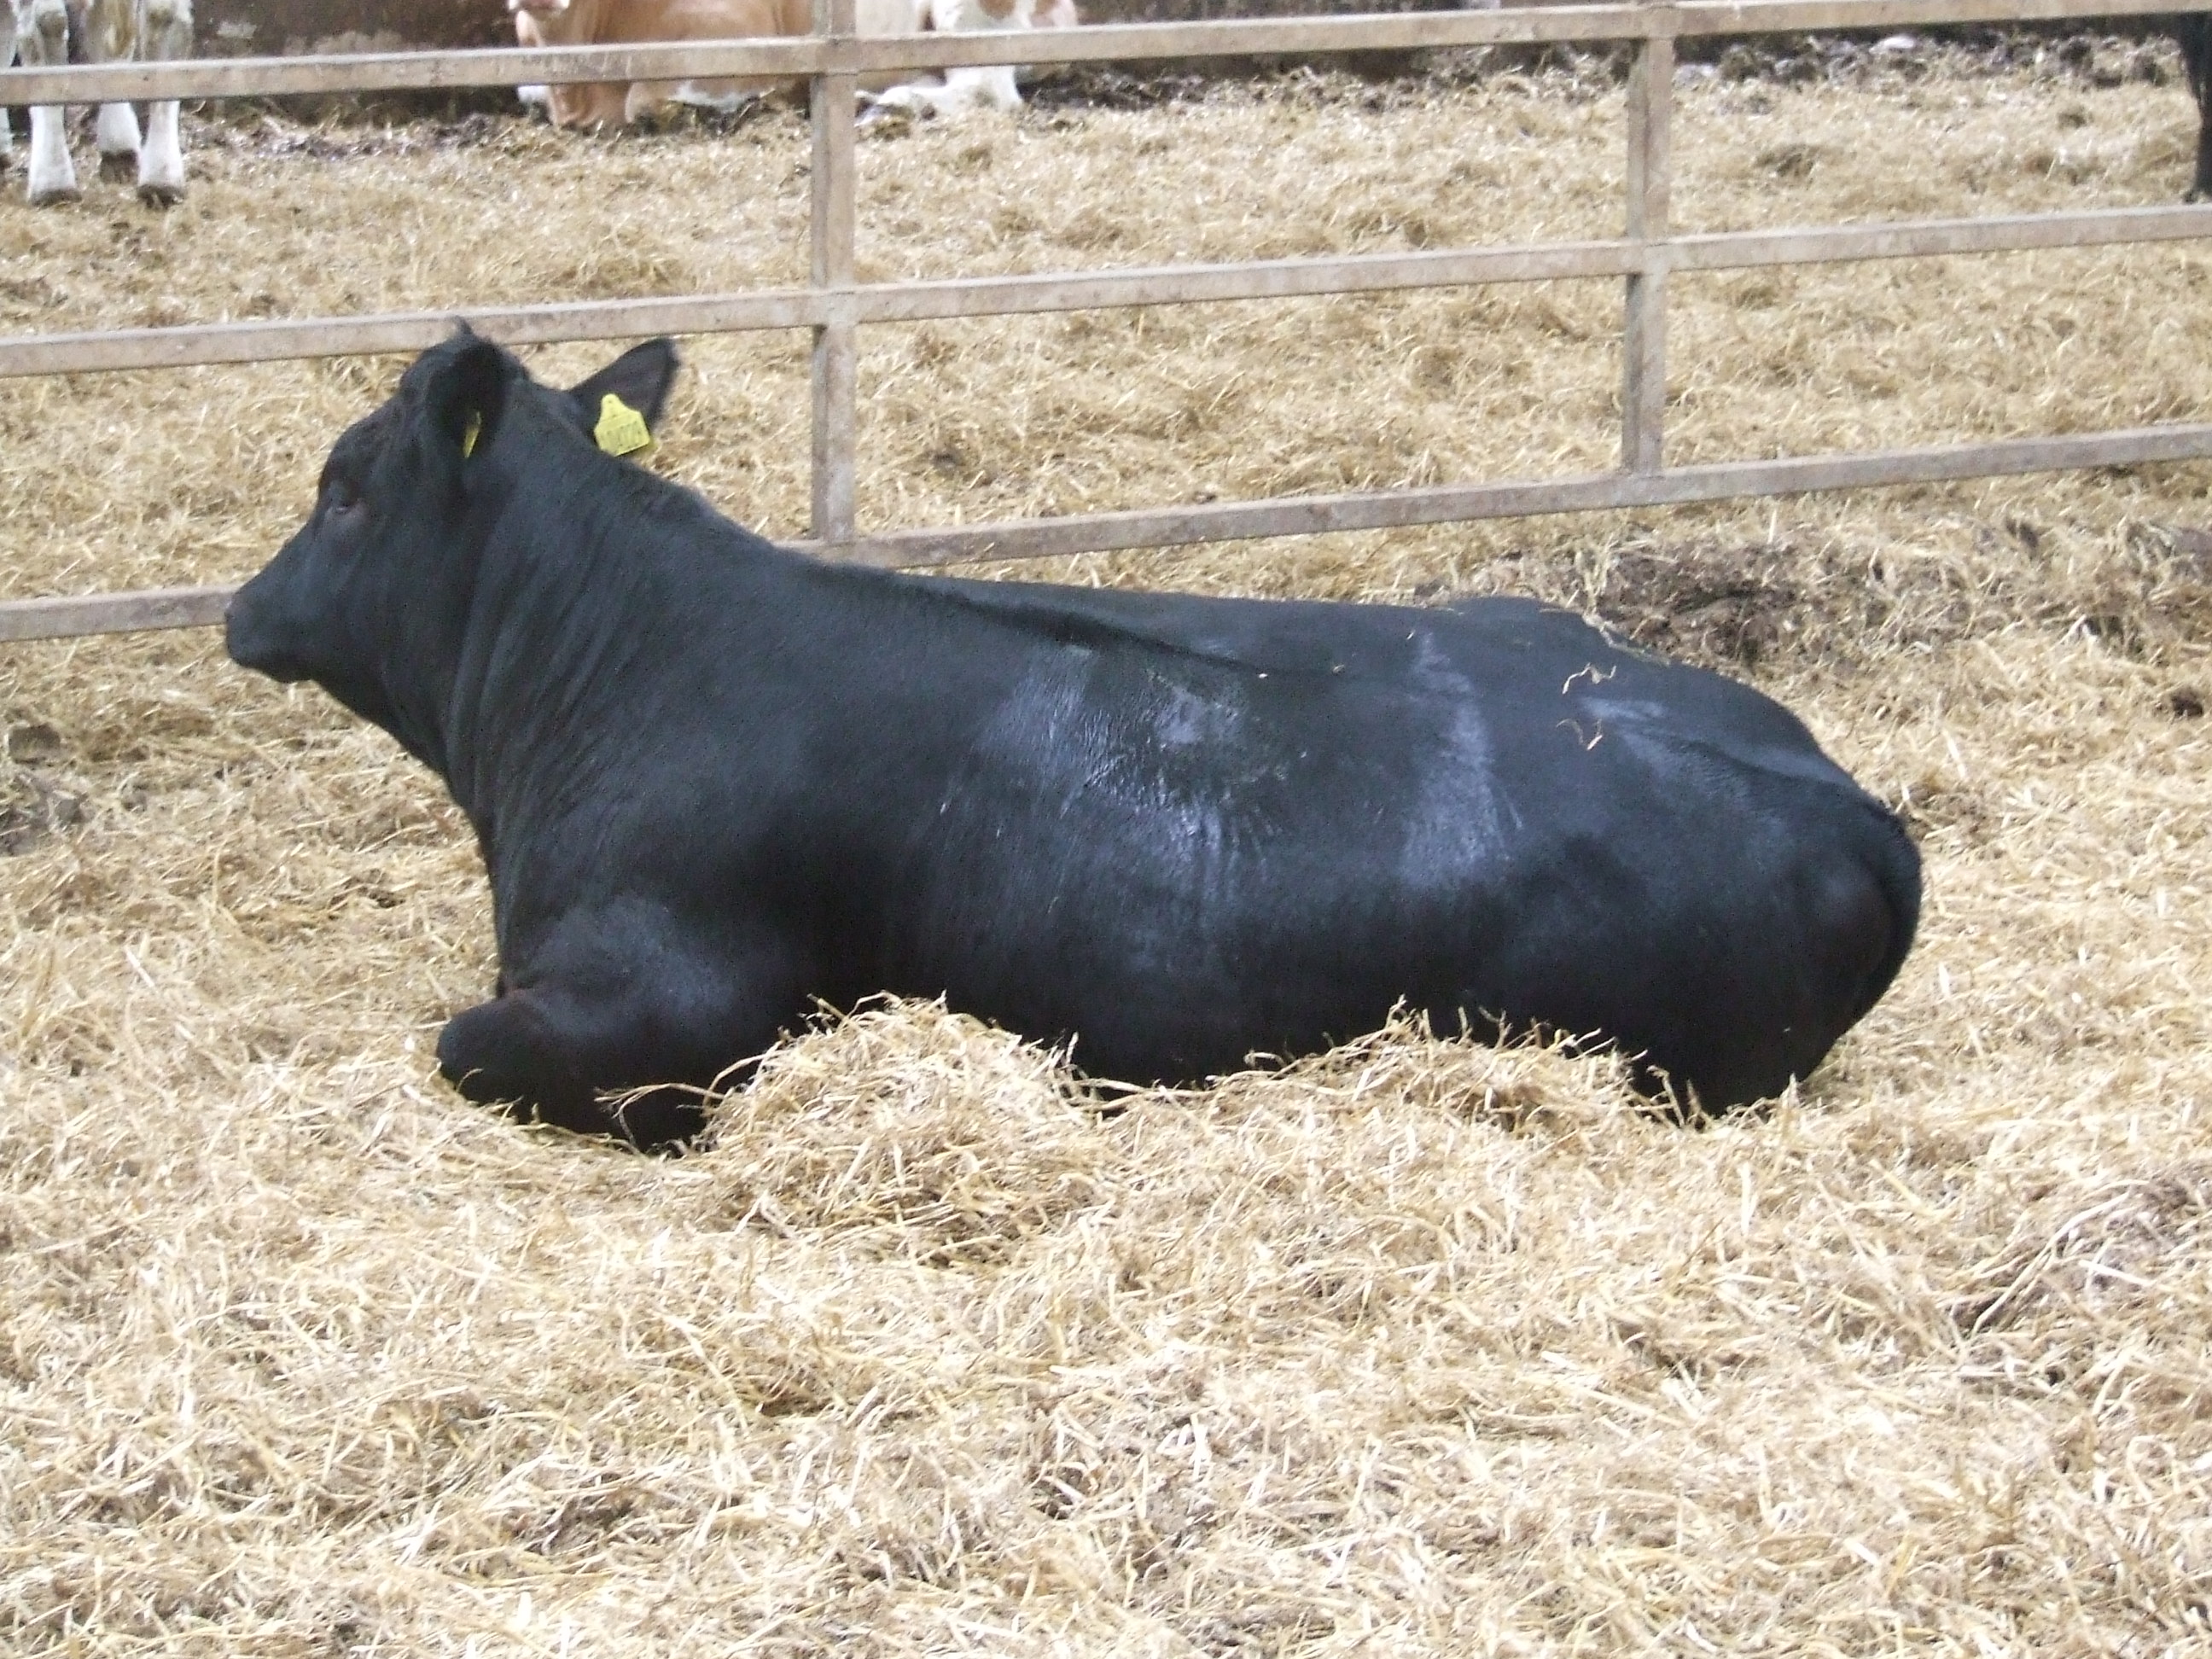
{"x": 714, "y": 781}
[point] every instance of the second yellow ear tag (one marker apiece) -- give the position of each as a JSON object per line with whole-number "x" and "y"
{"x": 622, "y": 430}
{"x": 469, "y": 437}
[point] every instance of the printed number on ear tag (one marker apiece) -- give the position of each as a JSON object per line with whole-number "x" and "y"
{"x": 469, "y": 437}
{"x": 622, "y": 429}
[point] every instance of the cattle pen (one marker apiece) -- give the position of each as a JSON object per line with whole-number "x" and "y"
{"x": 834, "y": 306}
{"x": 935, "y": 1344}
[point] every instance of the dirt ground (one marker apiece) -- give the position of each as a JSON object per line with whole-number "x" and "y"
{"x": 1418, "y": 1348}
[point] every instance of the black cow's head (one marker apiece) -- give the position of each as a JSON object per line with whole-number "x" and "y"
{"x": 370, "y": 597}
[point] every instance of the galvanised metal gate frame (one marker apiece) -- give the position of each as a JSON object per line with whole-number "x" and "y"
{"x": 834, "y": 307}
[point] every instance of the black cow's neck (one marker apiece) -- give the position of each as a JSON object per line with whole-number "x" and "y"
{"x": 585, "y": 581}
{"x": 426, "y": 640}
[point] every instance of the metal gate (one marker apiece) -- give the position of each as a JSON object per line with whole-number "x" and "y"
{"x": 834, "y": 307}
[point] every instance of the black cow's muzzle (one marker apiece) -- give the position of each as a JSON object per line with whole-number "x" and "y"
{"x": 252, "y": 644}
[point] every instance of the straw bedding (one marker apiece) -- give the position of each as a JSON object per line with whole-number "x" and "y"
{"x": 936, "y": 1346}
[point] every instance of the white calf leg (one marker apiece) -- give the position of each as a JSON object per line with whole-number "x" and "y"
{"x": 109, "y": 35}
{"x": 717, "y": 96}
{"x": 51, "y": 176}
{"x": 989, "y": 86}
{"x": 984, "y": 87}
{"x": 161, "y": 158}
{"x": 6, "y": 56}
{"x": 42, "y": 38}
{"x": 116, "y": 133}
{"x": 165, "y": 32}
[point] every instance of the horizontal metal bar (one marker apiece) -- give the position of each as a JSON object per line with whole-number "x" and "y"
{"x": 1929, "y": 238}
{"x": 107, "y": 351}
{"x": 795, "y": 56}
{"x": 112, "y": 613}
{"x": 1709, "y": 17}
{"x": 776, "y": 308}
{"x": 1306, "y": 516}
{"x": 1256, "y": 279}
{"x": 982, "y": 296}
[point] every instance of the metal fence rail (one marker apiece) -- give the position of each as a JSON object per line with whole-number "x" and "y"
{"x": 834, "y": 306}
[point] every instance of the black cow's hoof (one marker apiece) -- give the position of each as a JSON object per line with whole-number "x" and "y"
{"x": 655, "y": 1121}
{"x": 650, "y": 1120}
{"x": 161, "y": 196}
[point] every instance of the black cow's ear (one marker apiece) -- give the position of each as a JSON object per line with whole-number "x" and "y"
{"x": 465, "y": 396}
{"x": 641, "y": 377}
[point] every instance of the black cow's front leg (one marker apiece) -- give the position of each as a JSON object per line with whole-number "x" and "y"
{"x": 624, "y": 996}
{"x": 552, "y": 1045}
{"x": 541, "y": 1055}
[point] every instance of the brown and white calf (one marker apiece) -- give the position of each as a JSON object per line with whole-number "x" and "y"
{"x": 110, "y": 31}
{"x": 634, "y": 22}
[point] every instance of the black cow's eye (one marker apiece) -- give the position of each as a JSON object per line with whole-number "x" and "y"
{"x": 340, "y": 497}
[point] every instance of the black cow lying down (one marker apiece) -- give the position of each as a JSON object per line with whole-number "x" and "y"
{"x": 714, "y": 780}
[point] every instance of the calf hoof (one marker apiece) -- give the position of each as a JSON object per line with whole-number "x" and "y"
{"x": 887, "y": 121}
{"x": 52, "y": 195}
{"x": 118, "y": 164}
{"x": 159, "y": 193}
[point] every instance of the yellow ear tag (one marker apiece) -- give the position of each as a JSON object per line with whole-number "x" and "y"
{"x": 622, "y": 429}
{"x": 469, "y": 438}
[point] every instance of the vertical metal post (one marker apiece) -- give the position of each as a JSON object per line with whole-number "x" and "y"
{"x": 830, "y": 234}
{"x": 1644, "y": 342}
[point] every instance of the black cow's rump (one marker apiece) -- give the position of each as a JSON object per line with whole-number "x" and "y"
{"x": 714, "y": 781}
